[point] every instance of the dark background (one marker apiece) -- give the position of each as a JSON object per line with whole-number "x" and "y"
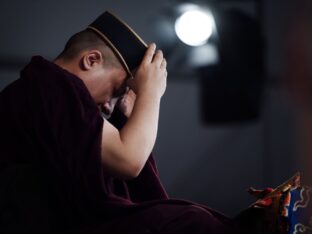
{"x": 208, "y": 163}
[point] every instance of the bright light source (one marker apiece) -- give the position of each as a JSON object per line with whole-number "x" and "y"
{"x": 194, "y": 27}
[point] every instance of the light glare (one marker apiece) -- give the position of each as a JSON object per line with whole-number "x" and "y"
{"x": 194, "y": 27}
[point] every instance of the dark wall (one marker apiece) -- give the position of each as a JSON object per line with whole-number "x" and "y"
{"x": 209, "y": 164}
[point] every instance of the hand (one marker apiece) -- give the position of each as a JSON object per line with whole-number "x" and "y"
{"x": 261, "y": 195}
{"x": 126, "y": 103}
{"x": 151, "y": 75}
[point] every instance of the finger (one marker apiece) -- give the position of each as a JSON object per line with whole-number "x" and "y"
{"x": 259, "y": 193}
{"x": 131, "y": 93}
{"x": 163, "y": 64}
{"x": 158, "y": 58}
{"x": 165, "y": 73}
{"x": 264, "y": 202}
{"x": 148, "y": 56}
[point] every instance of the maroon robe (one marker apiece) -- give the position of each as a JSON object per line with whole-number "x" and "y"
{"x": 52, "y": 179}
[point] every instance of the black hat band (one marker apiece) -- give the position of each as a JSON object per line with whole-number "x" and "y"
{"x": 125, "y": 43}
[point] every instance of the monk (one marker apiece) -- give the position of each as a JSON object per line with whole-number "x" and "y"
{"x": 68, "y": 168}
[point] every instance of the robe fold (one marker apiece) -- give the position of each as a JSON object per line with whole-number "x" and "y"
{"x": 51, "y": 171}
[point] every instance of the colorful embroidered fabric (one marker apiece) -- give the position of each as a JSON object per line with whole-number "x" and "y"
{"x": 286, "y": 209}
{"x": 296, "y": 208}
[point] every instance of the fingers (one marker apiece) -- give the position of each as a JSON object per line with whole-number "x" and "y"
{"x": 154, "y": 57}
{"x": 259, "y": 193}
{"x": 149, "y": 54}
{"x": 151, "y": 75}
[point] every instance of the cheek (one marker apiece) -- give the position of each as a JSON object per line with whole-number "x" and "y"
{"x": 106, "y": 92}
{"x": 121, "y": 77}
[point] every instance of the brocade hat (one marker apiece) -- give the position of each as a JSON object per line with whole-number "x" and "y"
{"x": 127, "y": 45}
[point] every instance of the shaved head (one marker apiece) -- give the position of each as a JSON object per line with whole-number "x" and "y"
{"x": 88, "y": 40}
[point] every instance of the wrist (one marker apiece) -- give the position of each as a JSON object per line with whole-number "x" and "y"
{"x": 148, "y": 94}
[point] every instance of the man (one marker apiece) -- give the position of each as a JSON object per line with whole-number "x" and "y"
{"x": 64, "y": 168}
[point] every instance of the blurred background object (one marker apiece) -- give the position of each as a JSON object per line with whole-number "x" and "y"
{"x": 226, "y": 122}
{"x": 298, "y": 79}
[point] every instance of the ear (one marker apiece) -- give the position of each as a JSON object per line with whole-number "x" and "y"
{"x": 91, "y": 59}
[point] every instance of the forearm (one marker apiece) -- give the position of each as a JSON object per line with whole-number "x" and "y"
{"x": 140, "y": 132}
{"x": 125, "y": 151}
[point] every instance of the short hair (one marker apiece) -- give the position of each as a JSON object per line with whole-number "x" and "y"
{"x": 88, "y": 40}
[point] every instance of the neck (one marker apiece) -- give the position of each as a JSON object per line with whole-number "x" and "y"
{"x": 70, "y": 66}
{"x": 64, "y": 64}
